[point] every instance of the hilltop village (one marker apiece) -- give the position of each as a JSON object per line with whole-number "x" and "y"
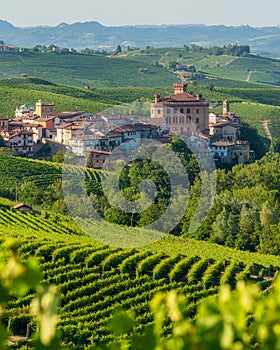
{"x": 82, "y": 133}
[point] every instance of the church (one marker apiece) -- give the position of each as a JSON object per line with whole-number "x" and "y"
{"x": 182, "y": 112}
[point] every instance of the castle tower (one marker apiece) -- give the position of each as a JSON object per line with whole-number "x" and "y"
{"x": 226, "y": 108}
{"x": 179, "y": 88}
{"x": 157, "y": 98}
{"x": 44, "y": 109}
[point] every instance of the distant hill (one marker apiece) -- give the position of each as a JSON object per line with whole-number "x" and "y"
{"x": 81, "y": 69}
{"x": 96, "y": 35}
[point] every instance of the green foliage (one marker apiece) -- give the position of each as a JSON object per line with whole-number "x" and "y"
{"x": 16, "y": 280}
{"x": 58, "y": 157}
{"x": 109, "y": 279}
{"x": 240, "y": 319}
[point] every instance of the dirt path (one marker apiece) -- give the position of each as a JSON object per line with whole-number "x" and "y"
{"x": 265, "y": 124}
{"x": 249, "y": 76}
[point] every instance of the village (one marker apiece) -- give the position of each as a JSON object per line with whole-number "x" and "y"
{"x": 99, "y": 134}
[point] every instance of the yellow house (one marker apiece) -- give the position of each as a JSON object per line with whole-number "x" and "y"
{"x": 241, "y": 152}
{"x": 226, "y": 131}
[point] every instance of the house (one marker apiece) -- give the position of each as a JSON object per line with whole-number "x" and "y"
{"x": 99, "y": 157}
{"x": 229, "y": 152}
{"x": 65, "y": 132}
{"x": 22, "y": 207}
{"x": 20, "y": 140}
{"x": 64, "y": 116}
{"x": 24, "y": 110}
{"x": 132, "y": 134}
{"x": 182, "y": 112}
{"x": 226, "y": 131}
{"x": 36, "y": 129}
{"x": 88, "y": 138}
{"x": 222, "y": 150}
{"x": 80, "y": 145}
{"x": 241, "y": 152}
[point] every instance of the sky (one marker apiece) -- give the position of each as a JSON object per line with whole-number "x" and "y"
{"x": 124, "y": 12}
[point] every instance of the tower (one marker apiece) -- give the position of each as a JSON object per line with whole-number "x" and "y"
{"x": 226, "y": 108}
{"x": 179, "y": 88}
{"x": 44, "y": 109}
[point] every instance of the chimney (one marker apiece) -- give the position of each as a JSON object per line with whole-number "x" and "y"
{"x": 157, "y": 98}
{"x": 179, "y": 88}
{"x": 198, "y": 97}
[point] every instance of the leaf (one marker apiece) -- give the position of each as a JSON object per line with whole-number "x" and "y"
{"x": 122, "y": 323}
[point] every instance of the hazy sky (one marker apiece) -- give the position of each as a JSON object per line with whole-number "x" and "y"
{"x": 120, "y": 12}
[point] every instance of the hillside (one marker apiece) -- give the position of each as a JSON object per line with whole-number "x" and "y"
{"x": 95, "y": 280}
{"x": 80, "y": 69}
{"x": 251, "y": 71}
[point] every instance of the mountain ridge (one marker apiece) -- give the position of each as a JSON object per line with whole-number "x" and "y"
{"x": 95, "y": 35}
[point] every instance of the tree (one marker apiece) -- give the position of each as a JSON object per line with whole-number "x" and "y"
{"x": 30, "y": 193}
{"x": 118, "y": 50}
{"x": 268, "y": 215}
{"x": 58, "y": 157}
{"x": 2, "y": 142}
{"x": 248, "y": 226}
{"x": 89, "y": 163}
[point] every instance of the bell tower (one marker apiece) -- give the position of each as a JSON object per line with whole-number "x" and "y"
{"x": 226, "y": 108}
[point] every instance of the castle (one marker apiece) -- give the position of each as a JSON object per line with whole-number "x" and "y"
{"x": 182, "y": 112}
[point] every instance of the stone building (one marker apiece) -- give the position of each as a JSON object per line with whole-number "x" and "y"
{"x": 182, "y": 112}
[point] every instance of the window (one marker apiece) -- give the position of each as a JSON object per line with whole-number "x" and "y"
{"x": 168, "y": 110}
{"x": 158, "y": 111}
{"x": 181, "y": 110}
{"x": 188, "y": 110}
{"x": 197, "y": 120}
{"x": 175, "y": 110}
{"x": 197, "y": 110}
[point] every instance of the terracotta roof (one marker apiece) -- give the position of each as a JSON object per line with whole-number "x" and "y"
{"x": 22, "y": 205}
{"x": 226, "y": 123}
{"x": 45, "y": 119}
{"x": 182, "y": 97}
{"x": 100, "y": 152}
{"x": 67, "y": 114}
{"x": 134, "y": 127}
{"x": 222, "y": 143}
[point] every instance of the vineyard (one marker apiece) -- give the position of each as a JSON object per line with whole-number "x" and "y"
{"x": 79, "y": 70}
{"x": 94, "y": 280}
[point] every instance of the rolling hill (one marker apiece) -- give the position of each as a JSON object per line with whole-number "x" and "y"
{"x": 80, "y": 69}
{"x": 251, "y": 71}
{"x": 95, "y": 280}
{"x": 95, "y": 35}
